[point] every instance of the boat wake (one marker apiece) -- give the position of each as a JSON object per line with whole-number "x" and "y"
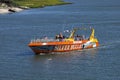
{"x": 110, "y": 45}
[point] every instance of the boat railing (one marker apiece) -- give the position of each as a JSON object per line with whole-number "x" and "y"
{"x": 43, "y": 40}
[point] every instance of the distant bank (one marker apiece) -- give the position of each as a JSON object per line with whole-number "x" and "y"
{"x": 39, "y": 3}
{"x": 7, "y": 6}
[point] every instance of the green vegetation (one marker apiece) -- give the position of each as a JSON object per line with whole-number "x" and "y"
{"x": 38, "y": 3}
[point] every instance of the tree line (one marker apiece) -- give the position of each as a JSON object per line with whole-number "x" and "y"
{"x": 5, "y": 1}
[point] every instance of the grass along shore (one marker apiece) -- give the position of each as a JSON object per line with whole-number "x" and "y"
{"x": 39, "y": 3}
{"x": 19, "y": 5}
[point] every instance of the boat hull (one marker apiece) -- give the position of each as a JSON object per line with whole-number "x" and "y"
{"x": 62, "y": 46}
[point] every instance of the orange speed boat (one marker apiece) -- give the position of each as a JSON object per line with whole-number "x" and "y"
{"x": 64, "y": 45}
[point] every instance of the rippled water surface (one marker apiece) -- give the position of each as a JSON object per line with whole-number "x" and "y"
{"x": 18, "y": 62}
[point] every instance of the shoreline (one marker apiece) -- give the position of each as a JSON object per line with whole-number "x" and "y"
{"x": 10, "y": 10}
{"x": 5, "y": 9}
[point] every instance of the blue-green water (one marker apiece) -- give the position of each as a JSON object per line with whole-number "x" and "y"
{"x": 18, "y": 62}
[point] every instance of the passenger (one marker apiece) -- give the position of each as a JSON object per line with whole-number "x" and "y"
{"x": 83, "y": 36}
{"x": 80, "y": 37}
{"x": 60, "y": 36}
{"x": 45, "y": 37}
{"x": 77, "y": 37}
{"x": 57, "y": 37}
{"x": 63, "y": 37}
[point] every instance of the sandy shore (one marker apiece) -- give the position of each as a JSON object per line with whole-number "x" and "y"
{"x": 7, "y": 10}
{"x": 4, "y": 11}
